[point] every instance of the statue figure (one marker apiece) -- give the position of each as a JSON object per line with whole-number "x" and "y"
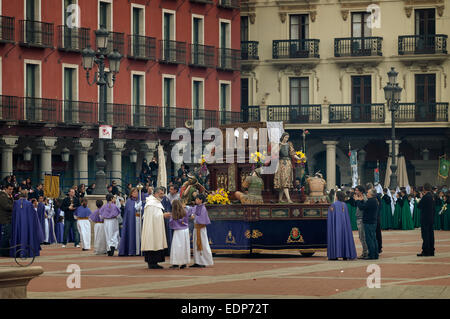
{"x": 255, "y": 186}
{"x": 190, "y": 189}
{"x": 284, "y": 176}
{"x": 316, "y": 189}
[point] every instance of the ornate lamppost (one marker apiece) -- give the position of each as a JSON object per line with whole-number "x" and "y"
{"x": 392, "y": 93}
{"x": 101, "y": 78}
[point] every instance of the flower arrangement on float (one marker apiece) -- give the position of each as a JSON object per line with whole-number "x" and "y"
{"x": 258, "y": 158}
{"x": 219, "y": 197}
{"x": 302, "y": 160}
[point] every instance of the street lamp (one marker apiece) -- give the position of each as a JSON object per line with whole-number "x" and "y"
{"x": 27, "y": 152}
{"x": 90, "y": 57}
{"x": 65, "y": 153}
{"x": 392, "y": 92}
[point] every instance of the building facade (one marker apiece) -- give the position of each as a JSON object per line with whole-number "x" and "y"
{"x": 321, "y": 66}
{"x": 180, "y": 62}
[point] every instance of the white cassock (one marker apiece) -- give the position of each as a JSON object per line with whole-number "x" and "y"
{"x": 49, "y": 230}
{"x": 203, "y": 257}
{"x": 138, "y": 212}
{"x": 153, "y": 228}
{"x": 84, "y": 228}
{"x": 180, "y": 249}
{"x": 100, "y": 247}
{"x": 111, "y": 226}
{"x": 411, "y": 206}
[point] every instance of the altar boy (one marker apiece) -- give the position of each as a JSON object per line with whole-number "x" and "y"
{"x": 202, "y": 251}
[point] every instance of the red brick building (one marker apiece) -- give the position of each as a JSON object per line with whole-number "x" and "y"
{"x": 181, "y": 61}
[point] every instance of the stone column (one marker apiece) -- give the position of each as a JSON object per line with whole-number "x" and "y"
{"x": 361, "y": 161}
{"x": 7, "y": 144}
{"x": 82, "y": 147}
{"x": 46, "y": 145}
{"x": 325, "y": 111}
{"x": 331, "y": 163}
{"x": 116, "y": 147}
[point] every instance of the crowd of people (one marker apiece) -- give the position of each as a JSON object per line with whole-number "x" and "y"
{"x": 147, "y": 223}
{"x": 370, "y": 209}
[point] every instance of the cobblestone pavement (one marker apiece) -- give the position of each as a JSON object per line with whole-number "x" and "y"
{"x": 265, "y": 275}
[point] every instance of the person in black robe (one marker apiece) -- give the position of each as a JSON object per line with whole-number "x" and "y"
{"x": 427, "y": 211}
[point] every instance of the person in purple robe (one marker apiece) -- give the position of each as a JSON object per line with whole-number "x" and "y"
{"x": 202, "y": 250}
{"x": 130, "y": 241}
{"x": 167, "y": 209}
{"x": 26, "y": 231}
{"x": 109, "y": 213}
{"x": 339, "y": 231}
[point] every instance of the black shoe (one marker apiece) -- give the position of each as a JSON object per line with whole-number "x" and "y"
{"x": 112, "y": 249}
{"x": 345, "y": 258}
{"x": 174, "y": 266}
{"x": 183, "y": 266}
{"x": 154, "y": 266}
{"x": 198, "y": 266}
{"x": 84, "y": 249}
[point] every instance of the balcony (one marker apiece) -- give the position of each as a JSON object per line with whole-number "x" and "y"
{"x": 201, "y": 55}
{"x": 36, "y": 34}
{"x": 356, "y": 113}
{"x": 249, "y": 50}
{"x": 116, "y": 41}
{"x": 141, "y": 47}
{"x": 11, "y": 108}
{"x": 172, "y": 52}
{"x": 295, "y": 114}
{"x": 41, "y": 110}
{"x": 174, "y": 117}
{"x": 422, "y": 112}
{"x": 228, "y": 59}
{"x": 73, "y": 39}
{"x": 229, "y": 4}
{"x": 228, "y": 117}
{"x": 422, "y": 47}
{"x": 250, "y": 113}
{"x": 6, "y": 29}
{"x": 294, "y": 49}
{"x": 358, "y": 50}
{"x": 79, "y": 113}
{"x": 144, "y": 116}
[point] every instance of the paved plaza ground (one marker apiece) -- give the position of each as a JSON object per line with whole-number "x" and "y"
{"x": 266, "y": 275}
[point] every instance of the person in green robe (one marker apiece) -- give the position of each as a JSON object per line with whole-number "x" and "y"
{"x": 386, "y": 211}
{"x": 439, "y": 202}
{"x": 406, "y": 219}
{"x": 446, "y": 211}
{"x": 396, "y": 218}
{"x": 416, "y": 212}
{"x": 351, "y": 205}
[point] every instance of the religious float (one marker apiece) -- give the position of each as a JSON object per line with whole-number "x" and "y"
{"x": 255, "y": 221}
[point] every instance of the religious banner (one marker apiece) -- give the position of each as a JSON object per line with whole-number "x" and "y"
{"x": 354, "y": 167}
{"x": 444, "y": 167}
{"x": 51, "y": 186}
{"x": 376, "y": 174}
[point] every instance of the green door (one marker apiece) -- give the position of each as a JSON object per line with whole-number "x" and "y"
{"x": 137, "y": 48}
{"x": 167, "y": 43}
{"x": 68, "y": 95}
{"x": 223, "y": 103}
{"x": 30, "y": 25}
{"x": 223, "y": 45}
{"x": 167, "y": 102}
{"x": 136, "y": 99}
{"x": 31, "y": 101}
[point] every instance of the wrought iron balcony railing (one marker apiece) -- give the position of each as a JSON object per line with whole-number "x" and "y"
{"x": 172, "y": 51}
{"x": 293, "y": 114}
{"x": 292, "y": 49}
{"x": 249, "y": 50}
{"x": 202, "y": 1}
{"x": 77, "y": 112}
{"x": 202, "y": 55}
{"x": 357, "y": 113}
{"x": 6, "y": 29}
{"x": 250, "y": 113}
{"x": 73, "y": 39}
{"x": 174, "y": 117}
{"x": 41, "y": 110}
{"x": 145, "y": 116}
{"x": 366, "y": 46}
{"x": 228, "y": 59}
{"x": 36, "y": 33}
{"x": 141, "y": 47}
{"x": 422, "y": 112}
{"x": 229, "y": 4}
{"x": 422, "y": 44}
{"x": 11, "y": 108}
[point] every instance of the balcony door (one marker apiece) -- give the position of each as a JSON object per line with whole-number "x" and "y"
{"x": 360, "y": 30}
{"x": 299, "y": 98}
{"x": 425, "y": 30}
{"x": 32, "y": 29}
{"x": 425, "y": 109}
{"x": 138, "y": 99}
{"x": 70, "y": 38}
{"x": 198, "y": 52}
{"x": 32, "y": 103}
{"x": 138, "y": 41}
{"x": 298, "y": 33}
{"x": 69, "y": 95}
{"x": 361, "y": 98}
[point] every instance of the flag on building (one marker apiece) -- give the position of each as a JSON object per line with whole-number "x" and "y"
{"x": 444, "y": 167}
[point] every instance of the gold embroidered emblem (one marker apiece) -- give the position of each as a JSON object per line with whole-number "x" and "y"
{"x": 254, "y": 234}
{"x": 295, "y": 236}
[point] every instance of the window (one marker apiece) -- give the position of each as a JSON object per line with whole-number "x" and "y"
{"x": 244, "y": 28}
{"x": 244, "y": 92}
{"x": 361, "y": 98}
{"x": 298, "y": 26}
{"x": 198, "y": 51}
{"x": 138, "y": 98}
{"x": 169, "y": 48}
{"x": 225, "y": 43}
{"x": 425, "y": 29}
{"x": 225, "y": 101}
{"x": 33, "y": 30}
{"x": 169, "y": 100}
{"x": 197, "y": 98}
{"x": 425, "y": 97}
{"x": 360, "y": 29}
{"x": 299, "y": 91}
{"x": 70, "y": 94}
{"x": 105, "y": 15}
{"x": 32, "y": 90}
{"x": 138, "y": 30}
